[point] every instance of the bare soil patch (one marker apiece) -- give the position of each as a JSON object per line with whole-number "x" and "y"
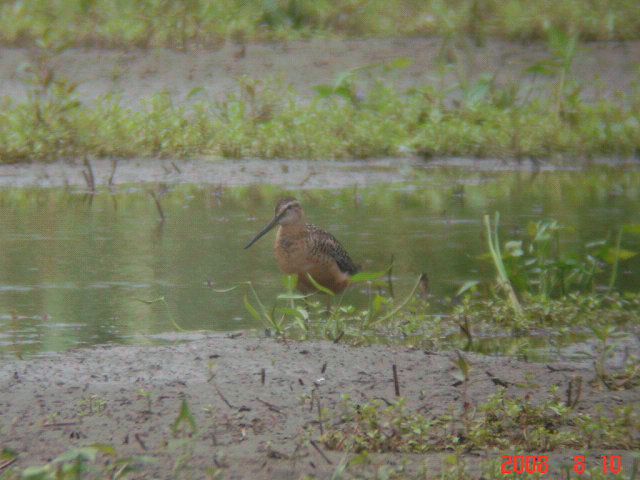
{"x": 602, "y": 67}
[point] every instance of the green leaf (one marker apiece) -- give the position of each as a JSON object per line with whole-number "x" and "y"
{"x": 514, "y": 248}
{"x": 468, "y": 285}
{"x": 291, "y": 296}
{"x": 378, "y": 301}
{"x": 254, "y": 313}
{"x": 194, "y": 91}
{"x": 543, "y": 67}
{"x": 344, "y": 91}
{"x": 323, "y": 90}
{"x": 289, "y": 282}
{"x": 319, "y": 287}
{"x": 8, "y": 453}
{"x": 37, "y": 472}
{"x": 633, "y": 228}
{"x": 622, "y": 254}
{"x": 463, "y": 366}
{"x": 401, "y": 62}
{"x": 367, "y": 276}
{"x": 226, "y": 290}
{"x": 137, "y": 459}
{"x": 185, "y": 416}
{"x": 104, "y": 448}
{"x": 292, "y": 312}
{"x": 87, "y": 454}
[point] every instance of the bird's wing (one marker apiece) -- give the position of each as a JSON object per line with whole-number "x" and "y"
{"x": 324, "y": 242}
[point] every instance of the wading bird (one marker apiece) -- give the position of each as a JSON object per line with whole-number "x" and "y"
{"x": 305, "y": 249}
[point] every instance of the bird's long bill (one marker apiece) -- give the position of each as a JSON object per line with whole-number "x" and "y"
{"x": 264, "y": 230}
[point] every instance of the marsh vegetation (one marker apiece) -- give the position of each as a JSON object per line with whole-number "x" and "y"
{"x": 542, "y": 111}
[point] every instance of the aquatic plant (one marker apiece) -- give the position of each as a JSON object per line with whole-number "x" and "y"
{"x": 538, "y": 266}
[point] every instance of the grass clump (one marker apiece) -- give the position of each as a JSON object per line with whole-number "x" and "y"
{"x": 83, "y": 462}
{"x": 502, "y": 422}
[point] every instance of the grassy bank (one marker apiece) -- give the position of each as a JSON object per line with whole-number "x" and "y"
{"x": 541, "y": 114}
{"x": 117, "y": 23}
{"x": 265, "y": 120}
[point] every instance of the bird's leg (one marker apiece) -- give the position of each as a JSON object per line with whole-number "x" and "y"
{"x": 328, "y": 304}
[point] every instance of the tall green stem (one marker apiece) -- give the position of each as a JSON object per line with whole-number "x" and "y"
{"x": 494, "y": 248}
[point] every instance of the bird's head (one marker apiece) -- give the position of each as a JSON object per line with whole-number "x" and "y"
{"x": 287, "y": 212}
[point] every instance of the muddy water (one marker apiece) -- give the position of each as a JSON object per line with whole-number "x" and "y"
{"x": 80, "y": 269}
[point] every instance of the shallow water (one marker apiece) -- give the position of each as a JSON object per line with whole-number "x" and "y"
{"x": 80, "y": 269}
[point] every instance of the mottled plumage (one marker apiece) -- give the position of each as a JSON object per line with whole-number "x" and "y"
{"x": 305, "y": 249}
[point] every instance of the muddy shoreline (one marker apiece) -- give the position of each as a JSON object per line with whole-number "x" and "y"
{"x": 294, "y": 174}
{"x": 231, "y": 173}
{"x": 602, "y": 67}
{"x": 228, "y": 173}
{"x": 253, "y": 402}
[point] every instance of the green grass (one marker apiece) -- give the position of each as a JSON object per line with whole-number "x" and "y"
{"x": 145, "y": 23}
{"x": 353, "y": 118}
{"x": 360, "y": 115}
{"x": 263, "y": 119}
{"x": 502, "y": 422}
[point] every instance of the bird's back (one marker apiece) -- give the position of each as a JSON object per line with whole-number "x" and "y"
{"x": 309, "y": 250}
{"x": 325, "y": 244}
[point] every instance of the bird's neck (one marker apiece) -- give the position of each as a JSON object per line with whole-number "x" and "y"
{"x": 290, "y": 232}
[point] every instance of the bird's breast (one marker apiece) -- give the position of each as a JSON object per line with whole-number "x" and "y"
{"x": 292, "y": 250}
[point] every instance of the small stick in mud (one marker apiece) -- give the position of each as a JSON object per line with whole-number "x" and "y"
{"x": 319, "y": 414}
{"x": 140, "y": 441}
{"x": 158, "y": 206}
{"x": 396, "y": 384}
{"x": 305, "y": 179}
{"x": 263, "y": 374}
{"x": 496, "y": 380}
{"x": 222, "y": 396}
{"x": 271, "y": 406}
{"x": 114, "y": 164}
{"x": 7, "y": 462}
{"x": 322, "y": 454}
{"x": 59, "y": 424}
{"x": 88, "y": 174}
{"x": 573, "y": 396}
